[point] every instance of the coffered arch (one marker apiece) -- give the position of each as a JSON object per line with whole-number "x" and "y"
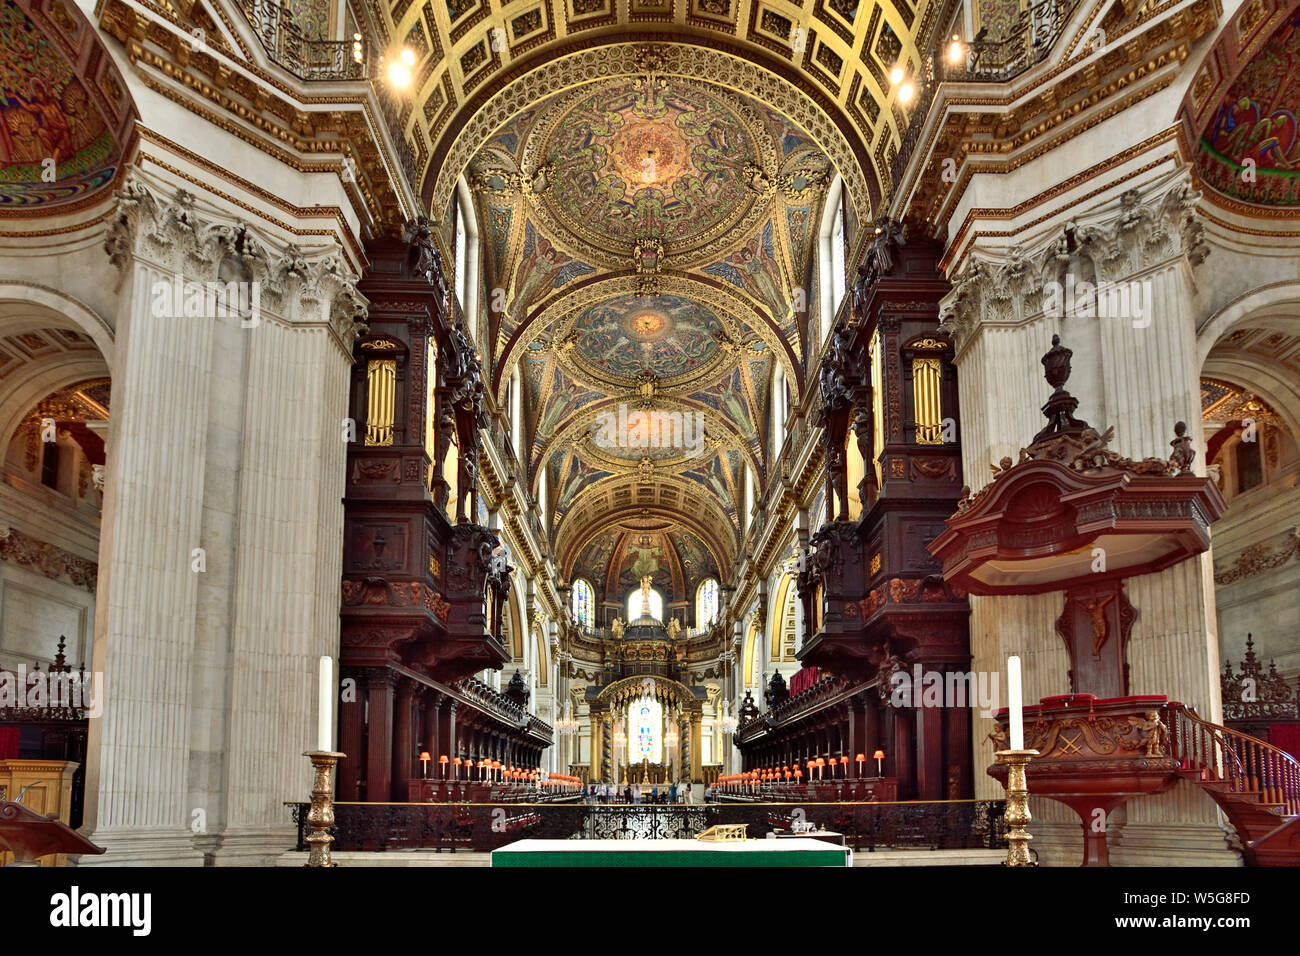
{"x": 673, "y": 501}
{"x": 845, "y": 134}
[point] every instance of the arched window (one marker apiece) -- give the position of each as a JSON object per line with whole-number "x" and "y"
{"x": 706, "y": 603}
{"x": 634, "y": 605}
{"x": 646, "y": 738}
{"x": 583, "y": 603}
{"x": 1250, "y": 467}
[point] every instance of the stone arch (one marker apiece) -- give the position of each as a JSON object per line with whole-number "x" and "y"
{"x": 588, "y": 59}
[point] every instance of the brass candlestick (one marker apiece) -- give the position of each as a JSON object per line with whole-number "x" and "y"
{"x": 1017, "y": 814}
{"x": 321, "y": 815}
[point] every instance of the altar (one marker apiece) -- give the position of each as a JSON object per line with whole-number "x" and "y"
{"x": 670, "y": 853}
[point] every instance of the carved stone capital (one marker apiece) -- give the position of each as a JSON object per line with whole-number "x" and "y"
{"x": 169, "y": 231}
{"x": 1098, "y": 249}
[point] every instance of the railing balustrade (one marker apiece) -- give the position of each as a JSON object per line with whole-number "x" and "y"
{"x": 951, "y": 824}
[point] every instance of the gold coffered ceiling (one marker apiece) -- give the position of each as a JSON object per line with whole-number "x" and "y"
{"x": 835, "y": 55}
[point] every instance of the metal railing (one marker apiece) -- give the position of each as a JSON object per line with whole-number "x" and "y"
{"x": 950, "y": 824}
{"x": 986, "y": 61}
{"x": 308, "y": 58}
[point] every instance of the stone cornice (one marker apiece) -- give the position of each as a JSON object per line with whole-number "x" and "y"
{"x": 284, "y": 117}
{"x": 994, "y": 128}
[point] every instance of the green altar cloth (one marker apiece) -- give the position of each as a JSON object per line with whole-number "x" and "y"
{"x": 660, "y": 853}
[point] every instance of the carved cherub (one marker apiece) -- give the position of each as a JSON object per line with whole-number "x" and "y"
{"x": 999, "y": 738}
{"x": 1156, "y": 734}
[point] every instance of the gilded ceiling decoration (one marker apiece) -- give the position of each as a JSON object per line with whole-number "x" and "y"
{"x": 66, "y": 115}
{"x": 648, "y": 243}
{"x": 666, "y": 335}
{"x": 648, "y": 158}
{"x": 1251, "y": 149}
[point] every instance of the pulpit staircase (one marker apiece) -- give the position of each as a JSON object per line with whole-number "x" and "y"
{"x": 1255, "y": 784}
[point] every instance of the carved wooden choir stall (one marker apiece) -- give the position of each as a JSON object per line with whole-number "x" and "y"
{"x": 424, "y": 586}
{"x": 874, "y": 603}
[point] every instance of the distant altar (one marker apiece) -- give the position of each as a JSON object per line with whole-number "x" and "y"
{"x": 647, "y": 772}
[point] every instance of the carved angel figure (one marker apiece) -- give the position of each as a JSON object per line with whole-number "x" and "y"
{"x": 1156, "y": 735}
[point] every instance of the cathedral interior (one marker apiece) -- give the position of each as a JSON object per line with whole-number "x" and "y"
{"x": 540, "y": 410}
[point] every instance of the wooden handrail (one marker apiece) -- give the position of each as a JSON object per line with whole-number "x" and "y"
{"x": 1247, "y": 764}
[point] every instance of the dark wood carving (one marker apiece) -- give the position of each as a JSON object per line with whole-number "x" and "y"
{"x": 1095, "y": 626}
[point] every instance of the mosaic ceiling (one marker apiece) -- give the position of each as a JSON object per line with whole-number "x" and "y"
{"x": 649, "y": 244}
{"x": 828, "y": 62}
{"x": 676, "y": 559}
{"x": 65, "y": 112}
{"x": 1251, "y": 149}
{"x": 629, "y": 334}
{"x": 647, "y": 158}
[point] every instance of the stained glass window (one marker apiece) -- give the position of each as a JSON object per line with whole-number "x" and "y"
{"x": 647, "y": 723}
{"x": 706, "y": 603}
{"x": 582, "y": 603}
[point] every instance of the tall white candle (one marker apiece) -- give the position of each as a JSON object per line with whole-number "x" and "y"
{"x": 325, "y": 724}
{"x": 1015, "y": 704}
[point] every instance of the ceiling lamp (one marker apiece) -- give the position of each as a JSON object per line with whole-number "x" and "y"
{"x": 399, "y": 72}
{"x": 956, "y": 51}
{"x": 896, "y": 75}
{"x": 905, "y": 93}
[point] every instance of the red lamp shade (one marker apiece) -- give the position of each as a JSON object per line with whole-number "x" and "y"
{"x": 861, "y": 757}
{"x": 821, "y": 761}
{"x": 424, "y": 755}
{"x": 456, "y": 761}
{"x": 878, "y": 755}
{"x": 443, "y": 759}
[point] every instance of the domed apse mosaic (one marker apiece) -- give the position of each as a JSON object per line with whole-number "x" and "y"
{"x": 667, "y": 334}
{"x": 61, "y": 132}
{"x": 637, "y": 159}
{"x": 1251, "y": 150}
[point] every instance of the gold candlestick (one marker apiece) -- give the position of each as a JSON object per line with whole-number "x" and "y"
{"x": 321, "y": 815}
{"x": 1017, "y": 814}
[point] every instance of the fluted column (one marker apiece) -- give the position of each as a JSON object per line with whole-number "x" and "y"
{"x": 219, "y": 550}
{"x": 351, "y": 732}
{"x": 403, "y": 742}
{"x": 1135, "y": 368}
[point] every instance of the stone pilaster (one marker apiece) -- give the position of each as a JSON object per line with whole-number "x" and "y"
{"x": 233, "y": 350}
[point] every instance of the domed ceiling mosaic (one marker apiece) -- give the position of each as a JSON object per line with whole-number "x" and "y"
{"x": 642, "y": 158}
{"x": 1251, "y": 149}
{"x": 66, "y": 115}
{"x": 649, "y": 244}
{"x": 630, "y": 334}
